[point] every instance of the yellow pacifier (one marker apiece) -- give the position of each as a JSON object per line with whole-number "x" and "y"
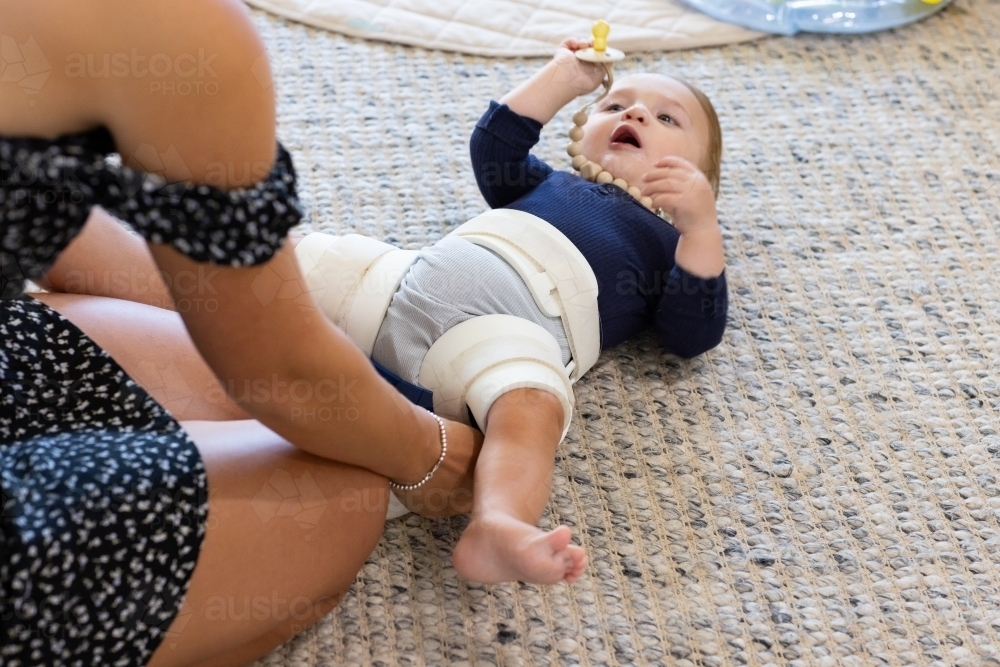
{"x": 600, "y": 53}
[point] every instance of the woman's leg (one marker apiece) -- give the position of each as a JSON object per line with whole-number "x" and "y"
{"x": 105, "y": 259}
{"x": 153, "y": 347}
{"x": 287, "y": 533}
{"x": 513, "y": 479}
{"x": 287, "y": 530}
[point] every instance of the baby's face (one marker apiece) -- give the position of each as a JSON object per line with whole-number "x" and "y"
{"x": 646, "y": 117}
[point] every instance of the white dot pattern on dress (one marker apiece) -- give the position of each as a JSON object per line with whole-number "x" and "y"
{"x": 102, "y": 494}
{"x": 104, "y": 501}
{"x": 48, "y": 188}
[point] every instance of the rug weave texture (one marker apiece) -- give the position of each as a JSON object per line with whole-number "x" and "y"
{"x": 822, "y": 488}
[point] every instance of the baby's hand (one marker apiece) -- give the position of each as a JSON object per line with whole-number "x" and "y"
{"x": 582, "y": 76}
{"x": 683, "y": 192}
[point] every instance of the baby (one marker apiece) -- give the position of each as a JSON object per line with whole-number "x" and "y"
{"x": 657, "y": 133}
{"x": 493, "y": 323}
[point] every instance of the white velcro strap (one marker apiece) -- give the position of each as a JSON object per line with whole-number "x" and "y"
{"x": 479, "y": 360}
{"x": 353, "y": 279}
{"x": 556, "y": 272}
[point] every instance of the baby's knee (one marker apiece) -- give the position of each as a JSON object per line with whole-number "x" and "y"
{"x": 527, "y": 398}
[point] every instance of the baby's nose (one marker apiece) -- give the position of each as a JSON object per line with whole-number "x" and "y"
{"x": 637, "y": 114}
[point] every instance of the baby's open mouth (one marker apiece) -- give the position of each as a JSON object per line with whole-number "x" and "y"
{"x": 626, "y": 135}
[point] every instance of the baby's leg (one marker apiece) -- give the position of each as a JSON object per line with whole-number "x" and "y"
{"x": 512, "y": 482}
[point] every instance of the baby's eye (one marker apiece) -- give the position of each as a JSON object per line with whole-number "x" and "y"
{"x": 667, "y": 118}
{"x": 614, "y": 107}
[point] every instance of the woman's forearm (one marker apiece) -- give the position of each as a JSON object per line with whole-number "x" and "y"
{"x": 287, "y": 366}
{"x": 322, "y": 382}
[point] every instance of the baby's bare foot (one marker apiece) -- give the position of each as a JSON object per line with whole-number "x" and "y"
{"x": 449, "y": 491}
{"x": 501, "y": 548}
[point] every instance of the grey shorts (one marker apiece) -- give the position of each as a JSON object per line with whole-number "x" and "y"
{"x": 451, "y": 282}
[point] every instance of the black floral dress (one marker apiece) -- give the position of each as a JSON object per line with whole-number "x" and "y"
{"x": 103, "y": 497}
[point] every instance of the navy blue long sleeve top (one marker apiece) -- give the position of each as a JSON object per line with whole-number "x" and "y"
{"x": 630, "y": 249}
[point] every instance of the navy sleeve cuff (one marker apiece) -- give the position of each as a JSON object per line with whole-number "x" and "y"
{"x": 513, "y": 129}
{"x": 691, "y": 318}
{"x": 691, "y": 296}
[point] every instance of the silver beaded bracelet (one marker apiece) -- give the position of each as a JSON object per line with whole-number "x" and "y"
{"x": 427, "y": 477}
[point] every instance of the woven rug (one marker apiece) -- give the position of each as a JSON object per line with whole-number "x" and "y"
{"x": 821, "y": 489}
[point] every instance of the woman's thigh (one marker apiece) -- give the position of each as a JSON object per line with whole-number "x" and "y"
{"x": 153, "y": 347}
{"x": 286, "y": 536}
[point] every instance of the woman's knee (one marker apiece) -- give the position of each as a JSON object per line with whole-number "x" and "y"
{"x": 357, "y": 503}
{"x": 322, "y": 501}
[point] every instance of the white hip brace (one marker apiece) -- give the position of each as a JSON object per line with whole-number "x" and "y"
{"x": 353, "y": 279}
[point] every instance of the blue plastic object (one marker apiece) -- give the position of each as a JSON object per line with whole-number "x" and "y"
{"x": 787, "y": 17}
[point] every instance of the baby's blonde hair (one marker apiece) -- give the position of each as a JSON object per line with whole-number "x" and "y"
{"x": 713, "y": 154}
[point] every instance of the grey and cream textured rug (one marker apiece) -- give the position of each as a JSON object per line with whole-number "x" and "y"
{"x": 824, "y": 487}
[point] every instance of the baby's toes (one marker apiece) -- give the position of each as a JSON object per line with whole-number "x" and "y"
{"x": 576, "y": 564}
{"x": 558, "y": 539}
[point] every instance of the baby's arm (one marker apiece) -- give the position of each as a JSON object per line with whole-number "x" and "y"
{"x": 501, "y": 143}
{"x": 691, "y": 315}
{"x": 683, "y": 192}
{"x": 563, "y": 79}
